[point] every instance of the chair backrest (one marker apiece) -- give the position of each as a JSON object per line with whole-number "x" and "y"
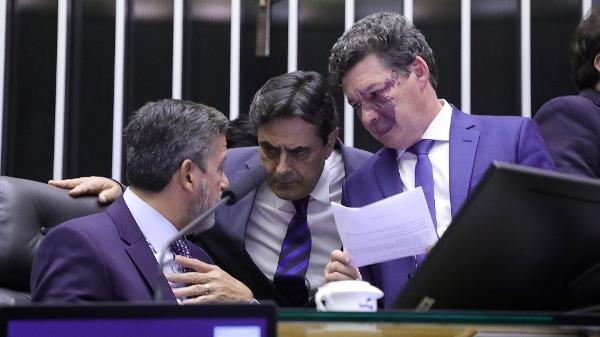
{"x": 28, "y": 210}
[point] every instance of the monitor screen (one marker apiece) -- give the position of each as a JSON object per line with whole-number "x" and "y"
{"x": 138, "y": 320}
{"x": 526, "y": 239}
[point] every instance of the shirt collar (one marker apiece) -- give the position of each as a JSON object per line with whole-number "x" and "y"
{"x": 155, "y": 227}
{"x": 439, "y": 128}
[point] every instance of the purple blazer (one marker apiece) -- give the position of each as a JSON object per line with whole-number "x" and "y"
{"x": 571, "y": 127}
{"x": 101, "y": 257}
{"x": 475, "y": 141}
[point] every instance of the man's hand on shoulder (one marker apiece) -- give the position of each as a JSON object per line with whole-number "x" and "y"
{"x": 339, "y": 268}
{"x": 106, "y": 189}
{"x": 207, "y": 283}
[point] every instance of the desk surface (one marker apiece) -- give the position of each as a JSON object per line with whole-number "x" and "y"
{"x": 296, "y": 323}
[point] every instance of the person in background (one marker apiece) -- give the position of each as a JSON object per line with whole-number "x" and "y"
{"x": 571, "y": 124}
{"x": 240, "y": 133}
{"x": 388, "y": 73}
{"x": 175, "y": 154}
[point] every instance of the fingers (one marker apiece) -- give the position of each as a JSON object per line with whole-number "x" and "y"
{"x": 208, "y": 283}
{"x": 110, "y": 195}
{"x": 201, "y": 299}
{"x": 192, "y": 290}
{"x": 195, "y": 264}
{"x": 189, "y": 278}
{"x": 339, "y": 268}
{"x": 202, "y": 271}
{"x": 107, "y": 189}
{"x": 65, "y": 183}
{"x": 340, "y": 256}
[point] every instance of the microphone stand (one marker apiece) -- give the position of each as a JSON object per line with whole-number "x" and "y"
{"x": 182, "y": 233}
{"x": 253, "y": 178}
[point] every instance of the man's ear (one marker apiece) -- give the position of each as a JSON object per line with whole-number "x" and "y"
{"x": 421, "y": 71}
{"x": 597, "y": 63}
{"x": 187, "y": 178}
{"x": 331, "y": 139}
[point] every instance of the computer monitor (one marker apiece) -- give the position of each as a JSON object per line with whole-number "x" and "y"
{"x": 527, "y": 239}
{"x": 137, "y": 320}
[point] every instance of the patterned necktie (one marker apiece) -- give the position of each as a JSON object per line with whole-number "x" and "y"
{"x": 294, "y": 257}
{"x": 424, "y": 173}
{"x": 180, "y": 247}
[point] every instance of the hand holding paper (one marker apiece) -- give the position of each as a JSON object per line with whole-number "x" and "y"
{"x": 392, "y": 228}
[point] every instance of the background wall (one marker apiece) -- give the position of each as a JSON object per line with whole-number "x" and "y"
{"x": 75, "y": 69}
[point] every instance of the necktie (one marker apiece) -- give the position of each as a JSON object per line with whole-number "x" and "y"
{"x": 294, "y": 257}
{"x": 180, "y": 247}
{"x": 424, "y": 173}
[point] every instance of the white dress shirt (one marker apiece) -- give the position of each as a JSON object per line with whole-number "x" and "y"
{"x": 271, "y": 215}
{"x": 156, "y": 229}
{"x": 439, "y": 155}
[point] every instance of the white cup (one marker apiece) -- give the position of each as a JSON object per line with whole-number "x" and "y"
{"x": 350, "y": 295}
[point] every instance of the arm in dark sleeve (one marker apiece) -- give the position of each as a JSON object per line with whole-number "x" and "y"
{"x": 572, "y": 133}
{"x": 68, "y": 268}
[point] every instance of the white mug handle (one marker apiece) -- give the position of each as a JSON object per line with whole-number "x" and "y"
{"x": 319, "y": 297}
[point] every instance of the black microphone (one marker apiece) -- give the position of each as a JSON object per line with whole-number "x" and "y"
{"x": 245, "y": 184}
{"x": 248, "y": 182}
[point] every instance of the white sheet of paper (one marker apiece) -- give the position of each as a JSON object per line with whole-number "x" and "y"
{"x": 388, "y": 229}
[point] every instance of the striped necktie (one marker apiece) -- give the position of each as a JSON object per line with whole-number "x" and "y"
{"x": 294, "y": 257}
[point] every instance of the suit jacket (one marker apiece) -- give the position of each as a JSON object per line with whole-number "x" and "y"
{"x": 225, "y": 242}
{"x": 101, "y": 257}
{"x": 571, "y": 127}
{"x": 475, "y": 141}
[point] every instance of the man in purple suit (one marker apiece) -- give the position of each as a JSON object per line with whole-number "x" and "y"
{"x": 571, "y": 124}
{"x": 388, "y": 73}
{"x": 175, "y": 156}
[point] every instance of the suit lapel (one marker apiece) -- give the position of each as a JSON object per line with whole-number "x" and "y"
{"x": 348, "y": 164}
{"x": 138, "y": 249}
{"x": 387, "y": 173}
{"x": 463, "y": 147}
{"x": 234, "y": 219}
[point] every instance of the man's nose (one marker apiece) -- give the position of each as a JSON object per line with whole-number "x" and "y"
{"x": 368, "y": 114}
{"x": 224, "y": 182}
{"x": 283, "y": 164}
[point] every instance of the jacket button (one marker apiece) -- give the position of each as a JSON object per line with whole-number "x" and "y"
{"x": 44, "y": 230}
{"x": 410, "y": 275}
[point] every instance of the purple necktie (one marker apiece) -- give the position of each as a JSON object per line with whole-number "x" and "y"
{"x": 424, "y": 173}
{"x": 294, "y": 256}
{"x": 424, "y": 178}
{"x": 180, "y": 247}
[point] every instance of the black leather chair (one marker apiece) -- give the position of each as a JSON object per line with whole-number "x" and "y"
{"x": 28, "y": 210}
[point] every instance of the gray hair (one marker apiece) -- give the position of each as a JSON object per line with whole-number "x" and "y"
{"x": 390, "y": 36}
{"x": 162, "y": 134}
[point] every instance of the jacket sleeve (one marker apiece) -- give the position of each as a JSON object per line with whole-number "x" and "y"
{"x": 68, "y": 268}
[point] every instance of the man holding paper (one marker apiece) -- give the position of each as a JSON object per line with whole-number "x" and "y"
{"x": 388, "y": 73}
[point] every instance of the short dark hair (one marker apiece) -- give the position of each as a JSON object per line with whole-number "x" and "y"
{"x": 161, "y": 135}
{"x": 240, "y": 132}
{"x": 389, "y": 36}
{"x": 302, "y": 94}
{"x": 585, "y": 47}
